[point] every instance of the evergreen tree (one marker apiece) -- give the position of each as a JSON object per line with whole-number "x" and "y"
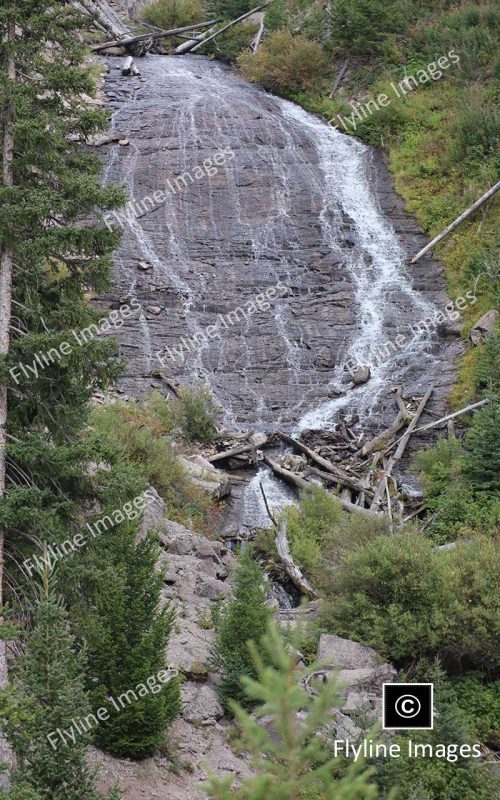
{"x": 289, "y": 758}
{"x": 245, "y": 618}
{"x": 482, "y": 460}
{"x": 47, "y": 694}
{"x": 127, "y": 647}
{"x": 54, "y": 253}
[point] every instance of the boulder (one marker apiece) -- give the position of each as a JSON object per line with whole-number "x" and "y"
{"x": 206, "y": 477}
{"x": 362, "y": 375}
{"x": 346, "y": 654}
{"x": 200, "y": 704}
{"x": 485, "y": 326}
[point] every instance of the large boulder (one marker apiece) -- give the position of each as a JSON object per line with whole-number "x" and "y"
{"x": 360, "y": 673}
{"x": 200, "y": 704}
{"x": 485, "y": 326}
{"x": 206, "y": 477}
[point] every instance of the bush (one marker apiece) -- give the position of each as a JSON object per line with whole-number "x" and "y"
{"x": 438, "y": 778}
{"x": 231, "y": 44}
{"x": 229, "y": 9}
{"x": 139, "y": 433}
{"x": 411, "y": 601}
{"x": 197, "y": 415}
{"x": 286, "y": 63}
{"x": 480, "y": 704}
{"x": 168, "y": 14}
{"x": 244, "y": 618}
{"x": 362, "y": 26}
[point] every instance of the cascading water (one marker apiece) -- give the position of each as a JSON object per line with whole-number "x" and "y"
{"x": 295, "y": 206}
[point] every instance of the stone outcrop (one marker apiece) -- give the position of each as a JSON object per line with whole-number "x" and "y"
{"x": 485, "y": 326}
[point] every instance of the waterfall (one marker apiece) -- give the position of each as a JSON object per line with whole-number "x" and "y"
{"x": 295, "y": 205}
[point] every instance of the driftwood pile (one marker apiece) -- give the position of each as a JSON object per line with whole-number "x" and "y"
{"x": 358, "y": 470}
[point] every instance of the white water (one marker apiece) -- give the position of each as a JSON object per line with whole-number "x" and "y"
{"x": 308, "y": 155}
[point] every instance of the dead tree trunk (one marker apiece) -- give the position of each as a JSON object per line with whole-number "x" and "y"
{"x": 105, "y": 16}
{"x": 6, "y": 272}
{"x": 143, "y": 37}
{"x": 494, "y": 189}
{"x": 6, "y": 268}
{"x": 291, "y": 569}
{"x": 379, "y": 491}
{"x": 229, "y": 25}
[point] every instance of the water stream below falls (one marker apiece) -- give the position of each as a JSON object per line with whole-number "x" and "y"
{"x": 298, "y": 204}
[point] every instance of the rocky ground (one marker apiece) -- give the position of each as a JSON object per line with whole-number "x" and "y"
{"x": 198, "y": 571}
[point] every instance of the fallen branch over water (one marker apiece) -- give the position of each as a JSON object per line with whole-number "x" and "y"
{"x": 143, "y": 37}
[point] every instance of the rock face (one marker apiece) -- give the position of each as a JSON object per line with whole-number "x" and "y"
{"x": 485, "y": 326}
{"x": 292, "y": 204}
{"x": 360, "y": 672}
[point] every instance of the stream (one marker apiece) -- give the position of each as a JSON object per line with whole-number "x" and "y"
{"x": 296, "y": 205}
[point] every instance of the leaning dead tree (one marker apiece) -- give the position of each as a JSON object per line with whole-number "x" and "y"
{"x": 229, "y": 25}
{"x": 466, "y": 214}
{"x": 149, "y": 37}
{"x": 291, "y": 569}
{"x": 105, "y": 18}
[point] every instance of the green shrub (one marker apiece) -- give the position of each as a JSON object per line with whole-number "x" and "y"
{"x": 285, "y": 63}
{"x": 168, "y": 14}
{"x": 362, "y": 26}
{"x": 244, "y": 618}
{"x": 140, "y": 432}
{"x": 409, "y": 600}
{"x": 439, "y": 778}
{"x": 229, "y": 9}
{"x": 197, "y": 414}
{"x": 480, "y": 704}
{"x": 229, "y": 46}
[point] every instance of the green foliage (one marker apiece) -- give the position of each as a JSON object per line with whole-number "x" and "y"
{"x": 480, "y": 704}
{"x": 289, "y": 759}
{"x": 62, "y": 253}
{"x": 47, "y": 694}
{"x": 141, "y": 434}
{"x": 455, "y": 509}
{"x": 488, "y": 365}
{"x": 362, "y": 26}
{"x": 320, "y": 532}
{"x": 482, "y": 459}
{"x": 410, "y": 601}
{"x": 228, "y": 46}
{"x": 245, "y": 617}
{"x": 167, "y": 14}
{"x": 228, "y": 9}
{"x": 127, "y": 640}
{"x": 436, "y": 778}
{"x": 197, "y": 414}
{"x": 285, "y": 63}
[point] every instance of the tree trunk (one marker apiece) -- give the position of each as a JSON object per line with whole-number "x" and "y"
{"x": 229, "y": 25}
{"x": 6, "y": 266}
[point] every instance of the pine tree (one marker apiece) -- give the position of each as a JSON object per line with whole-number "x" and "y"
{"x": 54, "y": 251}
{"x": 482, "y": 459}
{"x": 289, "y": 758}
{"x": 127, "y": 646}
{"x": 47, "y": 694}
{"x": 245, "y": 618}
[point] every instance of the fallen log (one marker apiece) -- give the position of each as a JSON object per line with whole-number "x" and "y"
{"x": 258, "y": 36}
{"x": 400, "y": 449}
{"x": 450, "y": 416}
{"x": 236, "y": 451}
{"x": 458, "y": 221}
{"x": 381, "y": 441}
{"x": 342, "y": 71}
{"x": 291, "y": 569}
{"x": 300, "y": 483}
{"x": 130, "y": 67}
{"x": 145, "y": 36}
{"x": 340, "y": 476}
{"x": 190, "y": 42}
{"x": 105, "y": 17}
{"x": 229, "y": 25}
